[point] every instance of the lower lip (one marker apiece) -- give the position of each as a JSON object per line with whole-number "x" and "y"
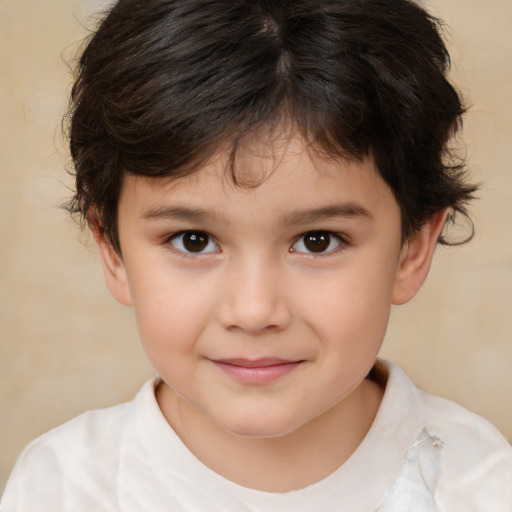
{"x": 258, "y": 374}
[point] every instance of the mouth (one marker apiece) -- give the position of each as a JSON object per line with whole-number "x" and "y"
{"x": 257, "y": 371}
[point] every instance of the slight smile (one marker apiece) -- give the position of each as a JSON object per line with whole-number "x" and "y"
{"x": 258, "y": 371}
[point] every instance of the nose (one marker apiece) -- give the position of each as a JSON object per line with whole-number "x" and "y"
{"x": 254, "y": 298}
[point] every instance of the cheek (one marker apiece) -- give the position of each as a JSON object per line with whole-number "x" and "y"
{"x": 351, "y": 308}
{"x": 171, "y": 314}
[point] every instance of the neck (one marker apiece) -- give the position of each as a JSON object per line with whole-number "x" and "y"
{"x": 277, "y": 464}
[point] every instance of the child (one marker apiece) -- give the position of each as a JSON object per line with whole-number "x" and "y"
{"x": 264, "y": 179}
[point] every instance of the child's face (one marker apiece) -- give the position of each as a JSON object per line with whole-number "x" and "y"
{"x": 262, "y": 307}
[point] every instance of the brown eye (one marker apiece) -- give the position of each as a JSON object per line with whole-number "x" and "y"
{"x": 317, "y": 242}
{"x": 193, "y": 242}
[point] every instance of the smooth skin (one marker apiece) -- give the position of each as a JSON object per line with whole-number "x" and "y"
{"x": 300, "y": 270}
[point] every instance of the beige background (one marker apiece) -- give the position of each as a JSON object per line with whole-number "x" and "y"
{"x": 66, "y": 346}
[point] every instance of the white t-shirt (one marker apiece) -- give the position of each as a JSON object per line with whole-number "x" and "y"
{"x": 422, "y": 454}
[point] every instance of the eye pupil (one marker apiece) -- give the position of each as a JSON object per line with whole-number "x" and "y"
{"x": 317, "y": 241}
{"x": 195, "y": 242}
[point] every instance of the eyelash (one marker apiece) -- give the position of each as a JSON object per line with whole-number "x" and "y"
{"x": 340, "y": 241}
{"x": 198, "y": 234}
{"x": 322, "y": 237}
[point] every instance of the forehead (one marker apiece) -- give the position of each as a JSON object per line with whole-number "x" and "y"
{"x": 277, "y": 173}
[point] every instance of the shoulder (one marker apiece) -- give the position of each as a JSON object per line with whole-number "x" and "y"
{"x": 91, "y": 433}
{"x": 461, "y": 426}
{"x": 476, "y": 459}
{"x": 72, "y": 467}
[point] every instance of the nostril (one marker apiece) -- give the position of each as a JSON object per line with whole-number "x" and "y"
{"x": 255, "y": 318}
{"x": 252, "y": 329}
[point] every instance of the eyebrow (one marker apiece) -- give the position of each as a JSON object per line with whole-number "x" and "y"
{"x": 189, "y": 214}
{"x": 347, "y": 210}
{"x": 183, "y": 213}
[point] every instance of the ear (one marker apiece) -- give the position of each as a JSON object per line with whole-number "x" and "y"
{"x": 113, "y": 267}
{"x": 416, "y": 258}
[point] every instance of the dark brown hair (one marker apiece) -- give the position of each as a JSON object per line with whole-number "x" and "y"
{"x": 163, "y": 84}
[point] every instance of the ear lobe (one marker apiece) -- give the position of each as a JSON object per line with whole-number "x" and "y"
{"x": 416, "y": 258}
{"x": 113, "y": 267}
